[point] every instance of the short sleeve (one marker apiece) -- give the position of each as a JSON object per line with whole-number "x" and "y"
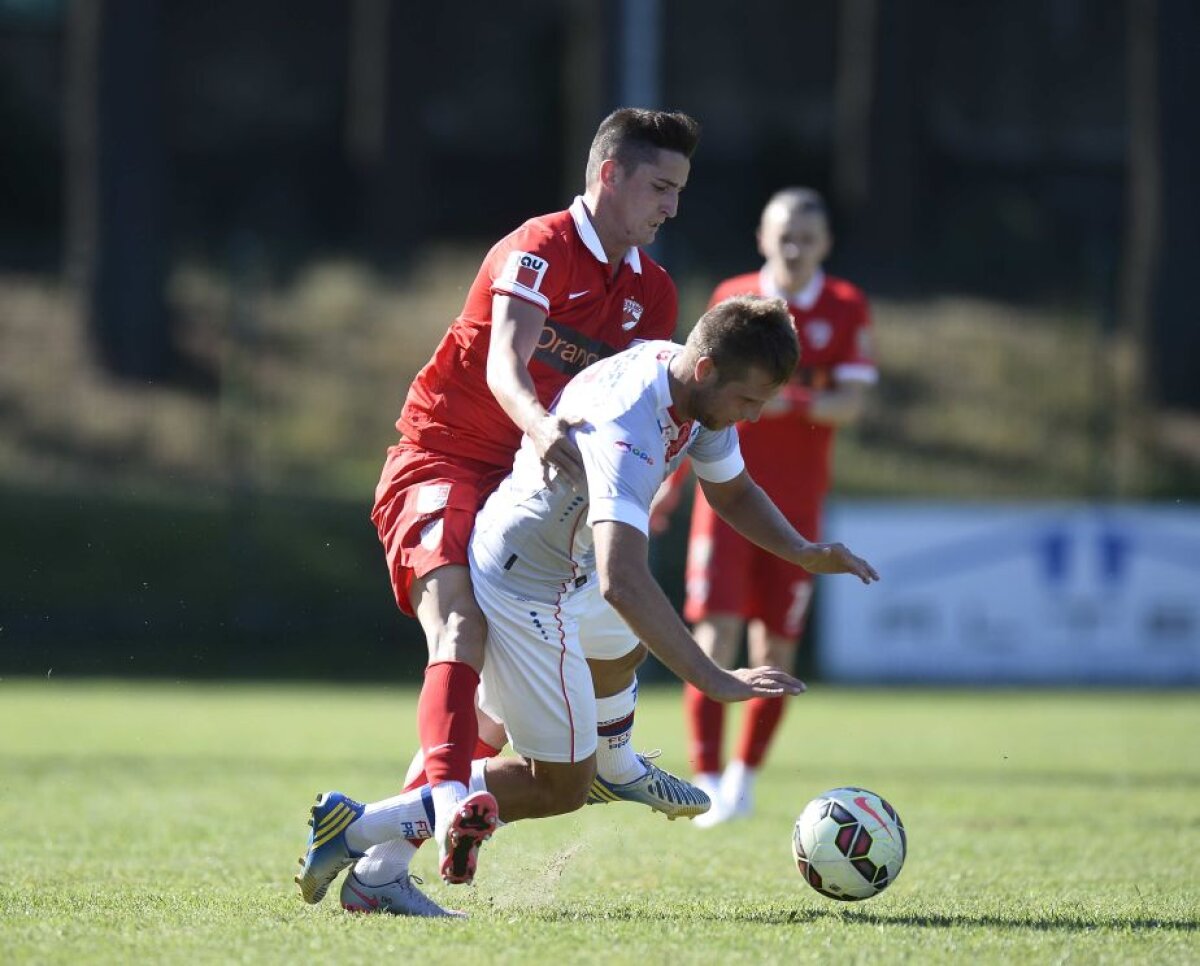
{"x": 623, "y": 473}
{"x": 531, "y": 264}
{"x": 717, "y": 456}
{"x": 858, "y": 362}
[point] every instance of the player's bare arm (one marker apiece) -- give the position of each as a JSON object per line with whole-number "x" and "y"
{"x": 742, "y": 504}
{"x": 516, "y": 326}
{"x": 629, "y": 587}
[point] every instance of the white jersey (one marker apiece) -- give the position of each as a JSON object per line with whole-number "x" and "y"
{"x": 534, "y": 540}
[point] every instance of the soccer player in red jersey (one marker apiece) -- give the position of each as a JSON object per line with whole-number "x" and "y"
{"x": 555, "y": 295}
{"x": 788, "y": 452}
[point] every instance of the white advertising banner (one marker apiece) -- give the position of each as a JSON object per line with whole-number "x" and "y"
{"x": 1045, "y": 593}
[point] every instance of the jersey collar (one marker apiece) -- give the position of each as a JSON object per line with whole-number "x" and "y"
{"x": 666, "y": 352}
{"x": 587, "y": 233}
{"x": 805, "y": 299}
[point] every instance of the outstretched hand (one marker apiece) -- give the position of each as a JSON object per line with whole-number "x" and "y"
{"x": 758, "y": 682}
{"x": 553, "y": 444}
{"x": 836, "y": 558}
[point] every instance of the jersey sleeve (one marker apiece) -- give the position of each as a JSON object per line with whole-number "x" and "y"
{"x": 717, "y": 456}
{"x": 624, "y": 470}
{"x": 531, "y": 264}
{"x": 858, "y": 361}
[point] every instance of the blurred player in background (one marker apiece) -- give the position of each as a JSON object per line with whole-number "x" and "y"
{"x": 560, "y": 292}
{"x": 730, "y": 582}
{"x": 545, "y": 550}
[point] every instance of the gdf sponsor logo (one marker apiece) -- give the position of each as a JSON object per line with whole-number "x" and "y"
{"x": 634, "y": 451}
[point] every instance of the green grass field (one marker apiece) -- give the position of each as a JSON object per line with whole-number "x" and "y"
{"x": 161, "y": 823}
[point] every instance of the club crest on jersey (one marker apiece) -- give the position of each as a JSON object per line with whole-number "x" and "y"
{"x": 632, "y": 314}
{"x": 818, "y": 332}
{"x": 525, "y": 270}
{"x": 676, "y": 445}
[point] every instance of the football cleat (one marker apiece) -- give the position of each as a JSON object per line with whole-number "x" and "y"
{"x": 658, "y": 789}
{"x": 327, "y": 853}
{"x": 398, "y": 898}
{"x": 473, "y": 822}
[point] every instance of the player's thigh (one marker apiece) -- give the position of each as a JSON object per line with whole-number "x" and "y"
{"x": 536, "y": 679}
{"x": 454, "y": 625}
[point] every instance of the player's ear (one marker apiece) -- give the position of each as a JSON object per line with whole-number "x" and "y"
{"x": 610, "y": 172}
{"x": 705, "y": 370}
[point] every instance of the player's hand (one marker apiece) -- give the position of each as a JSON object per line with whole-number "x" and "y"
{"x": 553, "y": 444}
{"x": 836, "y": 558}
{"x": 757, "y": 682}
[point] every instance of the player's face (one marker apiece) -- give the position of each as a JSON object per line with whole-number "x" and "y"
{"x": 718, "y": 405}
{"x": 794, "y": 240}
{"x": 648, "y": 195}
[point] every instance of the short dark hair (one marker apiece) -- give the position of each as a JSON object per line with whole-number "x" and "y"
{"x": 747, "y": 332}
{"x": 634, "y": 135}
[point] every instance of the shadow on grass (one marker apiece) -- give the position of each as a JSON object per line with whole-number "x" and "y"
{"x": 1065, "y": 922}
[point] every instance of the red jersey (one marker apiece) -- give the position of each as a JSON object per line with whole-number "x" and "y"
{"x": 557, "y": 263}
{"x": 788, "y": 455}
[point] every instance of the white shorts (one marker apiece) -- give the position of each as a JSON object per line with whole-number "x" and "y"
{"x": 603, "y": 633}
{"x": 535, "y": 675}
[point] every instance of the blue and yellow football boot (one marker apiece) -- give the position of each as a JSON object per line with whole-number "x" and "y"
{"x": 327, "y": 853}
{"x": 658, "y": 789}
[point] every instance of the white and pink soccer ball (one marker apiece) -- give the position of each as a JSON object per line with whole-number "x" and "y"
{"x": 849, "y": 844}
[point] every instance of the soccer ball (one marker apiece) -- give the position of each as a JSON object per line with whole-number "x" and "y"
{"x": 849, "y": 844}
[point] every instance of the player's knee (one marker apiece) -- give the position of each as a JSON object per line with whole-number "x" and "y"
{"x": 611, "y": 677}
{"x": 563, "y": 789}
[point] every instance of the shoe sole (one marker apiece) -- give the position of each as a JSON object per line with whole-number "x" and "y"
{"x": 472, "y": 825}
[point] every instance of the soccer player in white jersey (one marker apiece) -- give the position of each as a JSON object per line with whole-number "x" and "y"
{"x": 542, "y": 550}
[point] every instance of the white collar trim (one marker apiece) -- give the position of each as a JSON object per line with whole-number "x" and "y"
{"x": 805, "y": 299}
{"x": 587, "y": 232}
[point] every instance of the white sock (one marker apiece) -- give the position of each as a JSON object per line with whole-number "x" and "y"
{"x": 385, "y": 863}
{"x": 708, "y": 782}
{"x": 737, "y": 784}
{"x": 408, "y": 815}
{"x": 478, "y": 776}
{"x": 479, "y": 780}
{"x": 446, "y": 795}
{"x": 616, "y": 761}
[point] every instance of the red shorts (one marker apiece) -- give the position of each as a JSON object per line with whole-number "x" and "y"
{"x": 425, "y": 506}
{"x": 727, "y": 574}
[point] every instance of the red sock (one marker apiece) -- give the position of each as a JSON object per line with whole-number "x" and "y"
{"x": 706, "y": 728}
{"x": 762, "y": 720}
{"x": 482, "y": 750}
{"x": 446, "y": 724}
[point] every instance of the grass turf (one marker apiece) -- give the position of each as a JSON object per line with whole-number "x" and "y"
{"x": 160, "y": 823}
